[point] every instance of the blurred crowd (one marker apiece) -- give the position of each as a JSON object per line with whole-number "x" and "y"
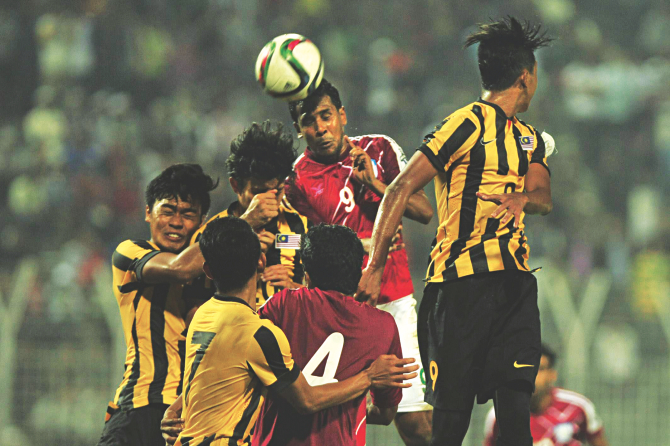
{"x": 98, "y": 96}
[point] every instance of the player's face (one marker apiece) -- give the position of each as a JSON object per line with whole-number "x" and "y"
{"x": 254, "y": 186}
{"x": 323, "y": 129}
{"x": 173, "y": 222}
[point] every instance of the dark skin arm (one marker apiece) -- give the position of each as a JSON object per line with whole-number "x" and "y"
{"x": 418, "y": 206}
{"x": 386, "y": 371}
{"x": 168, "y": 267}
{"x": 536, "y": 199}
{"x": 418, "y": 172}
{"x": 380, "y": 415}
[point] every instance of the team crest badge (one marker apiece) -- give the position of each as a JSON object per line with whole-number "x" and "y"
{"x": 287, "y": 241}
{"x": 527, "y": 142}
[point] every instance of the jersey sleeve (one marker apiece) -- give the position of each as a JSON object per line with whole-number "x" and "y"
{"x": 297, "y": 200}
{"x": 131, "y": 256}
{"x": 593, "y": 425}
{"x": 392, "y": 396}
{"x": 490, "y": 428}
{"x": 452, "y": 139}
{"x": 539, "y": 155}
{"x": 392, "y": 160}
{"x": 269, "y": 356}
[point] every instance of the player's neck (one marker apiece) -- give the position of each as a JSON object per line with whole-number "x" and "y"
{"x": 247, "y": 293}
{"x": 507, "y": 100}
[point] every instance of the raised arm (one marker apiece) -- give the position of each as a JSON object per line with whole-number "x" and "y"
{"x": 418, "y": 206}
{"x": 167, "y": 267}
{"x": 386, "y": 371}
{"x": 418, "y": 172}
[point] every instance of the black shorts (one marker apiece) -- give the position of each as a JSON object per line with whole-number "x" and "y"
{"x": 134, "y": 427}
{"x": 476, "y": 333}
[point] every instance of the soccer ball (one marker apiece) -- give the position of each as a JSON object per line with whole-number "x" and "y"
{"x": 289, "y": 67}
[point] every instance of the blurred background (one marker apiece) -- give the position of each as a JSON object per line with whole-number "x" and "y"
{"x": 98, "y": 96}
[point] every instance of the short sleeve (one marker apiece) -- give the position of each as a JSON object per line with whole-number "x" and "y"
{"x": 539, "y": 155}
{"x": 392, "y": 396}
{"x": 132, "y": 255}
{"x": 450, "y": 140}
{"x": 269, "y": 356}
{"x": 393, "y": 160}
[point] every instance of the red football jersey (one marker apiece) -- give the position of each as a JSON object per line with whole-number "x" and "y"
{"x": 332, "y": 338}
{"x": 570, "y": 420}
{"x": 326, "y": 193}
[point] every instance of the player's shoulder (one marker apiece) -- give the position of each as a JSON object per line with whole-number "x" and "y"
{"x": 527, "y": 126}
{"x": 468, "y": 112}
{"x": 196, "y": 236}
{"x": 134, "y": 248}
{"x": 573, "y": 398}
{"x": 300, "y": 162}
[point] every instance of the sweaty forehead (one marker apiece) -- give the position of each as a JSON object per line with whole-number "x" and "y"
{"x": 177, "y": 203}
{"x": 306, "y": 108}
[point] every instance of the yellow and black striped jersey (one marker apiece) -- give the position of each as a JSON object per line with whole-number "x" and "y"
{"x": 478, "y": 149}
{"x": 232, "y": 358}
{"x": 153, "y": 325}
{"x": 287, "y": 222}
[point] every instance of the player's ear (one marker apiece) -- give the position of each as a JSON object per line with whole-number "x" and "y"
{"x": 297, "y": 129}
{"x": 523, "y": 79}
{"x": 262, "y": 261}
{"x": 207, "y": 270}
{"x": 234, "y": 184}
{"x": 308, "y": 281}
{"x": 343, "y": 116}
{"x": 147, "y": 214}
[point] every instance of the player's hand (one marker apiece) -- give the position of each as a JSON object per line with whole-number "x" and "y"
{"x": 511, "y": 206}
{"x": 362, "y": 164}
{"x": 171, "y": 426}
{"x": 396, "y": 244}
{"x": 267, "y": 239}
{"x": 277, "y": 275}
{"x": 263, "y": 208}
{"x": 389, "y": 371}
{"x": 369, "y": 286}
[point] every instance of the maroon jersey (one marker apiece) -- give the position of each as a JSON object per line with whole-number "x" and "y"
{"x": 570, "y": 420}
{"x": 326, "y": 193}
{"x": 332, "y": 338}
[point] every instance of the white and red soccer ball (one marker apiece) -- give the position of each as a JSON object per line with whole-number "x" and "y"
{"x": 289, "y": 67}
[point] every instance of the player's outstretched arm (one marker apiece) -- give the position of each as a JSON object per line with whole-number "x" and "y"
{"x": 418, "y": 172}
{"x": 380, "y": 415}
{"x": 386, "y": 371}
{"x": 167, "y": 267}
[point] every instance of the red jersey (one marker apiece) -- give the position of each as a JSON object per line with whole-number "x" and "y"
{"x": 326, "y": 193}
{"x": 570, "y": 420}
{"x": 332, "y": 338}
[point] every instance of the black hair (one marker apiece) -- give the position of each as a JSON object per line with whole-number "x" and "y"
{"x": 550, "y": 354}
{"x": 186, "y": 181}
{"x": 309, "y": 104}
{"x": 506, "y": 48}
{"x": 262, "y": 152}
{"x": 333, "y": 257}
{"x": 231, "y": 250}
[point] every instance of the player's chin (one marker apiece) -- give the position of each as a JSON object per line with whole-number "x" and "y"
{"x": 174, "y": 246}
